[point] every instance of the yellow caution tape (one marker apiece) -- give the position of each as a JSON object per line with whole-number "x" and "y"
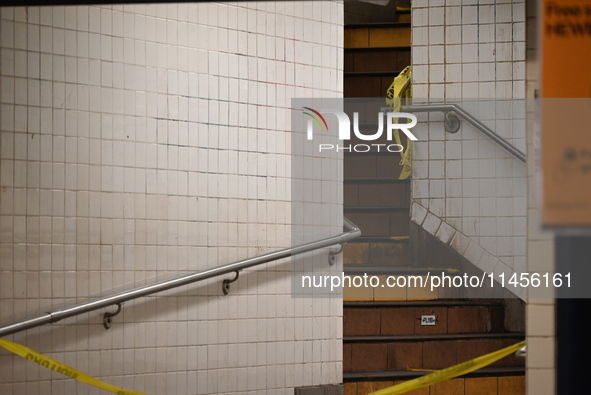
{"x": 399, "y": 238}
{"x": 398, "y": 89}
{"x": 61, "y": 368}
{"x": 451, "y": 372}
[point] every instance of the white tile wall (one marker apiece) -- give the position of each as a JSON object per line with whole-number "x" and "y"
{"x": 143, "y": 141}
{"x": 465, "y": 51}
{"x": 540, "y": 311}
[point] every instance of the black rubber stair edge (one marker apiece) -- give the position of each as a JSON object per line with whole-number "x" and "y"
{"x": 519, "y": 336}
{"x": 412, "y": 374}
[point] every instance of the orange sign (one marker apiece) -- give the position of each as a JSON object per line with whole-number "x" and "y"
{"x": 566, "y": 112}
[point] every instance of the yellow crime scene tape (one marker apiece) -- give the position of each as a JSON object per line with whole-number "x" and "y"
{"x": 424, "y": 381}
{"x": 400, "y": 89}
{"x": 451, "y": 372}
{"x": 61, "y": 368}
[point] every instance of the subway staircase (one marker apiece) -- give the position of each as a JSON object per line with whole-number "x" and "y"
{"x": 374, "y": 198}
{"x": 384, "y": 342}
{"x": 374, "y": 54}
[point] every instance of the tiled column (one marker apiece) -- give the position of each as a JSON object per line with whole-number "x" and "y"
{"x": 540, "y": 323}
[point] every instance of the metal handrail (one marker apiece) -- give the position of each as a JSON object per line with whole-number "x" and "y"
{"x": 473, "y": 121}
{"x": 117, "y": 299}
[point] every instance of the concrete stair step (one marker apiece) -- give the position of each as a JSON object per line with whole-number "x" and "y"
{"x": 500, "y": 381}
{"x": 383, "y": 253}
{"x": 403, "y": 15}
{"x": 427, "y": 303}
{"x": 423, "y": 355}
{"x": 367, "y": 85}
{"x": 374, "y": 196}
{"x": 382, "y": 209}
{"x": 351, "y": 269}
{"x": 374, "y": 55}
{"x": 372, "y": 167}
{"x": 377, "y": 59}
{"x": 405, "y": 319}
{"x": 380, "y": 239}
{"x": 371, "y": 73}
{"x": 381, "y": 223}
{"x": 505, "y": 380}
{"x": 365, "y": 35}
{"x": 518, "y": 336}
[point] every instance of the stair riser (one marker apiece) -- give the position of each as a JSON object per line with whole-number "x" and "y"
{"x": 381, "y": 224}
{"x": 404, "y": 17}
{"x": 377, "y": 37}
{"x": 376, "y": 60}
{"x": 437, "y": 354}
{"x": 393, "y": 195}
{"x": 509, "y": 385}
{"x": 406, "y": 320}
{"x": 367, "y": 110}
{"x": 386, "y": 166}
{"x": 379, "y": 254}
{"x": 366, "y": 86}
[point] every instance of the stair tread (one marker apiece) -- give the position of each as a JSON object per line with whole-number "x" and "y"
{"x": 447, "y": 336}
{"x": 381, "y": 239}
{"x": 358, "y": 209}
{"x": 421, "y": 303}
{"x": 382, "y": 152}
{"x": 385, "y": 73}
{"x": 375, "y": 181}
{"x": 377, "y": 25}
{"x": 377, "y": 49}
{"x": 410, "y": 374}
{"x": 352, "y": 268}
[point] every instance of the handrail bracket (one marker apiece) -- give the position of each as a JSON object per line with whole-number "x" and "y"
{"x": 451, "y": 122}
{"x": 107, "y": 321}
{"x": 226, "y": 283}
{"x": 332, "y": 255}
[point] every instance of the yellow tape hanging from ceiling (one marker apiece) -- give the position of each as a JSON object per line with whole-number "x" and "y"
{"x": 400, "y": 88}
{"x": 62, "y": 368}
{"x": 451, "y": 372}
